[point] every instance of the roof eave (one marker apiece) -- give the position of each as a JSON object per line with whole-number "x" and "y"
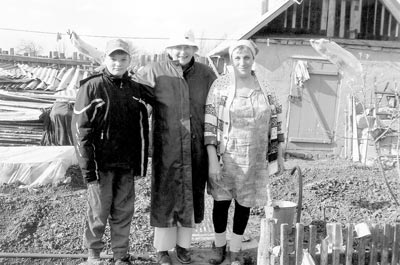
{"x": 253, "y": 28}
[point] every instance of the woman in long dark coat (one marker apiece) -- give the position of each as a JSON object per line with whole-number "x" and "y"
{"x": 180, "y": 167}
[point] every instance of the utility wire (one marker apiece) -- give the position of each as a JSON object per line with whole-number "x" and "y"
{"x": 102, "y": 36}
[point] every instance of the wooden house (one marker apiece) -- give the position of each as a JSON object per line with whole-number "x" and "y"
{"x": 369, "y": 29}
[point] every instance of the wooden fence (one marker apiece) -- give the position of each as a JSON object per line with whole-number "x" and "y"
{"x": 294, "y": 245}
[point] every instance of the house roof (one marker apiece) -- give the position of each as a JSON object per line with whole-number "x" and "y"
{"x": 250, "y": 29}
{"x": 253, "y": 26}
{"x": 394, "y": 7}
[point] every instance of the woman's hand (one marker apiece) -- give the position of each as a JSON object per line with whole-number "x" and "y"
{"x": 214, "y": 168}
{"x": 281, "y": 164}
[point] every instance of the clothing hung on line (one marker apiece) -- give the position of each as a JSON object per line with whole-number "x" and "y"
{"x": 245, "y": 169}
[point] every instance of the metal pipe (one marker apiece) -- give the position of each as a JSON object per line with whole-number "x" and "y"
{"x": 143, "y": 257}
{"x": 49, "y": 256}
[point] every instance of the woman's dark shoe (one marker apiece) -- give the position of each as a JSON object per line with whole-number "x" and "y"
{"x": 183, "y": 255}
{"x": 236, "y": 258}
{"x": 219, "y": 253}
{"x": 163, "y": 258}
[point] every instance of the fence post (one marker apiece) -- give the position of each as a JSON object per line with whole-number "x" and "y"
{"x": 395, "y": 248}
{"x": 385, "y": 244}
{"x": 284, "y": 244}
{"x": 313, "y": 241}
{"x": 349, "y": 244}
{"x": 373, "y": 257}
{"x": 337, "y": 243}
{"x": 299, "y": 243}
{"x": 324, "y": 252}
{"x": 266, "y": 242}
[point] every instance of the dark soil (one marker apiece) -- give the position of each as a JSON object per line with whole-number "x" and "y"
{"x": 50, "y": 219}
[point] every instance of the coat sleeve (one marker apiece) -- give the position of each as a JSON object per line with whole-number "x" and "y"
{"x": 84, "y": 130}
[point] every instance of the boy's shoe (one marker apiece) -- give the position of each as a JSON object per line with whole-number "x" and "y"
{"x": 123, "y": 261}
{"x": 183, "y": 255}
{"x": 219, "y": 253}
{"x": 163, "y": 258}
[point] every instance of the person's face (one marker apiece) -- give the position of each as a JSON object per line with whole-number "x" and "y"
{"x": 117, "y": 63}
{"x": 182, "y": 53}
{"x": 242, "y": 61}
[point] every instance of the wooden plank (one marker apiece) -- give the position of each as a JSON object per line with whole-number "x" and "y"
{"x": 382, "y": 20}
{"x": 349, "y": 244}
{"x": 385, "y": 244}
{"x": 294, "y": 16}
{"x": 312, "y": 241}
{"x": 355, "y": 18}
{"x": 299, "y": 243}
{"x": 324, "y": 15}
{"x": 337, "y": 243}
{"x": 342, "y": 18}
{"x": 375, "y": 17}
{"x": 396, "y": 245}
{"x": 309, "y": 14}
{"x": 361, "y": 251}
{"x": 330, "y": 31}
{"x": 266, "y": 242}
{"x": 285, "y": 21}
{"x": 349, "y": 128}
{"x": 262, "y": 251}
{"x": 324, "y": 252}
{"x": 284, "y": 244}
{"x": 309, "y": 140}
{"x": 355, "y": 148}
{"x": 302, "y": 15}
{"x": 373, "y": 256}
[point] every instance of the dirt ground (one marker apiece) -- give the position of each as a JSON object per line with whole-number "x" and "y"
{"x": 50, "y": 219}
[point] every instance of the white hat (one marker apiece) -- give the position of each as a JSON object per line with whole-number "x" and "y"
{"x": 181, "y": 37}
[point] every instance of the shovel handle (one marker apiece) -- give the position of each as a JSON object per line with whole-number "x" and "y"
{"x": 300, "y": 194}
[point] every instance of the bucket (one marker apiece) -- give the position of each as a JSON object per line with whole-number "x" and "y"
{"x": 283, "y": 212}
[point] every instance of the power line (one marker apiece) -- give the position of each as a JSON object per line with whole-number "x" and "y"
{"x": 103, "y": 36}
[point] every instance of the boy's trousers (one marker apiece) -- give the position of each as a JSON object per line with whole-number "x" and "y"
{"x": 112, "y": 197}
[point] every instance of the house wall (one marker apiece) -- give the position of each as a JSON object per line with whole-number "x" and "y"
{"x": 381, "y": 68}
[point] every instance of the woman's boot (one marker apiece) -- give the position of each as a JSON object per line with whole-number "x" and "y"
{"x": 219, "y": 254}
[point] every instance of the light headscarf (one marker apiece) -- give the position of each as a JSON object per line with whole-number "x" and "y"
{"x": 247, "y": 43}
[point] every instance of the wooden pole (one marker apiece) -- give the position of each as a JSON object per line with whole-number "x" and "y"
{"x": 266, "y": 242}
{"x": 284, "y": 244}
{"x": 349, "y": 244}
{"x": 299, "y": 243}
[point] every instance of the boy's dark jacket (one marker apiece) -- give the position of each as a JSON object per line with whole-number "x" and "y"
{"x": 110, "y": 125}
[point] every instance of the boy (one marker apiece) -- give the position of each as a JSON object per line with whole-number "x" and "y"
{"x": 110, "y": 132}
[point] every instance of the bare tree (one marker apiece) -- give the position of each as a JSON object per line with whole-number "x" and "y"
{"x": 30, "y": 47}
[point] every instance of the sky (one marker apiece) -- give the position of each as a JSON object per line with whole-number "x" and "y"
{"x": 136, "y": 19}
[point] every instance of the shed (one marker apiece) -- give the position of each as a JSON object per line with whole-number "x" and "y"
{"x": 368, "y": 29}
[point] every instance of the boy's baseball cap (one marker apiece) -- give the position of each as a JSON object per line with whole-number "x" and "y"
{"x": 115, "y": 45}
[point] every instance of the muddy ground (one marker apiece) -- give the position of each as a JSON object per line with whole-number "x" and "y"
{"x": 51, "y": 219}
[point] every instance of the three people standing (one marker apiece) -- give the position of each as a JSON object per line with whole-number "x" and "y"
{"x": 237, "y": 123}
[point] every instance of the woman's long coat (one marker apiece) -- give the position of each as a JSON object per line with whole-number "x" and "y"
{"x": 179, "y": 158}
